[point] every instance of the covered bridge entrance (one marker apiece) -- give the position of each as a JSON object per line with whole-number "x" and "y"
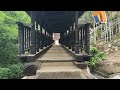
{"x": 36, "y": 39}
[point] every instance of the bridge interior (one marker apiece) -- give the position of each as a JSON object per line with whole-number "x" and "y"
{"x": 36, "y": 42}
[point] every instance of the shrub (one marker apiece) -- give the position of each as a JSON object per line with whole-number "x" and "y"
{"x": 16, "y": 71}
{"x": 5, "y": 73}
{"x": 97, "y": 56}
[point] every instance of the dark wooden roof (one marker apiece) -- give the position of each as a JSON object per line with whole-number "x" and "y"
{"x": 55, "y": 21}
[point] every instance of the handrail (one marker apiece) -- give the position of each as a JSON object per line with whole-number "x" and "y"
{"x": 25, "y": 36}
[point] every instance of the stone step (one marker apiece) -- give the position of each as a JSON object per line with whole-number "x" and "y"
{"x": 66, "y": 74}
{"x": 54, "y": 64}
{"x": 55, "y": 60}
{"x": 59, "y": 70}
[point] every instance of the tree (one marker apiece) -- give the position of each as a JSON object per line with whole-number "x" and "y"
{"x": 8, "y": 41}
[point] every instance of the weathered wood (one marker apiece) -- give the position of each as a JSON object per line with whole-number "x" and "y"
{"x": 41, "y": 36}
{"x": 81, "y": 38}
{"x": 22, "y": 41}
{"x": 70, "y": 30}
{"x": 20, "y": 28}
{"x": 25, "y": 37}
{"x": 29, "y": 30}
{"x": 76, "y": 33}
{"x": 94, "y": 30}
{"x": 45, "y": 38}
{"x": 37, "y": 36}
{"x": 73, "y": 38}
{"x": 33, "y": 37}
{"x": 87, "y": 38}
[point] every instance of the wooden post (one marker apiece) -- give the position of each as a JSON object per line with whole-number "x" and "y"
{"x": 61, "y": 38}
{"x": 70, "y": 38}
{"x": 94, "y": 34}
{"x": 41, "y": 36}
{"x": 76, "y": 34}
{"x": 33, "y": 39}
{"x": 29, "y": 36}
{"x": 45, "y": 38}
{"x": 87, "y": 38}
{"x": 25, "y": 37}
{"x": 37, "y": 35}
{"x": 51, "y": 38}
{"x": 81, "y": 39}
{"x": 20, "y": 38}
{"x": 72, "y": 34}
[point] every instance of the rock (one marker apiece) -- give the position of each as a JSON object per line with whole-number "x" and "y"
{"x": 109, "y": 45}
{"x": 107, "y": 50}
{"x": 116, "y": 48}
{"x": 114, "y": 44}
{"x": 115, "y": 77}
{"x": 111, "y": 51}
{"x": 108, "y": 67}
{"x": 90, "y": 75}
{"x": 115, "y": 41}
{"x": 30, "y": 69}
{"x": 118, "y": 44}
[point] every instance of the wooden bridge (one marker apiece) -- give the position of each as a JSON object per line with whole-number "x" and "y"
{"x": 36, "y": 44}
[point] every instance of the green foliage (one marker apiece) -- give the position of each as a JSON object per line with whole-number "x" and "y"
{"x": 10, "y": 66}
{"x": 86, "y": 18}
{"x": 12, "y": 72}
{"x": 97, "y": 56}
{"x": 16, "y": 71}
{"x": 5, "y": 73}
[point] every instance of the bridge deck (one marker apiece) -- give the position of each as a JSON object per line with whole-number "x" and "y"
{"x": 57, "y": 63}
{"x": 56, "y": 53}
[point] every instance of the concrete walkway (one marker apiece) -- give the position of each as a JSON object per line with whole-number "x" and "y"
{"x": 56, "y": 53}
{"x": 56, "y": 63}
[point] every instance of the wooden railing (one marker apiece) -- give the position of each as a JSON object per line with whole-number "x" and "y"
{"x": 68, "y": 38}
{"x": 25, "y": 38}
{"x": 84, "y": 38}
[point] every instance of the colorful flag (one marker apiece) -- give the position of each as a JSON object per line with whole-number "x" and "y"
{"x": 99, "y": 16}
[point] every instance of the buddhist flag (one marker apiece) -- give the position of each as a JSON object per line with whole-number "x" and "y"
{"x": 99, "y": 16}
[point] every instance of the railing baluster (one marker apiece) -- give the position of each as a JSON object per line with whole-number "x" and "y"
{"x": 29, "y": 37}
{"x": 73, "y": 39}
{"x": 81, "y": 39}
{"x": 25, "y": 37}
{"x": 45, "y": 38}
{"x": 70, "y": 38}
{"x": 84, "y": 37}
{"x": 20, "y": 28}
{"x": 22, "y": 43}
{"x": 37, "y": 37}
